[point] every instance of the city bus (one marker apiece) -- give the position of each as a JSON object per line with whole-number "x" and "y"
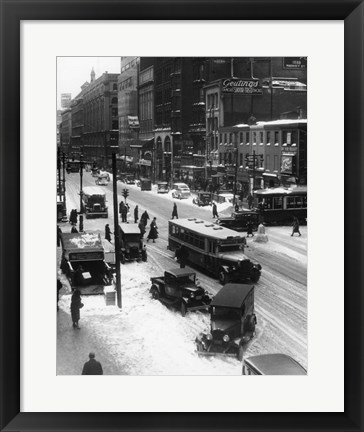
{"x": 218, "y": 250}
{"x": 281, "y": 205}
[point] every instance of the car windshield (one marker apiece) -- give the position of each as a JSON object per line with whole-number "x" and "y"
{"x": 230, "y": 247}
{"x": 182, "y": 280}
{"x": 225, "y": 313}
{"x": 96, "y": 199}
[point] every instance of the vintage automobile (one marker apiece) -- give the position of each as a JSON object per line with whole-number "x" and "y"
{"x": 180, "y": 190}
{"x": 83, "y": 262}
{"x": 94, "y": 202}
{"x": 145, "y": 184}
{"x": 132, "y": 247}
{"x": 178, "y": 288}
{"x": 129, "y": 179}
{"x": 238, "y": 221}
{"x": 103, "y": 179}
{"x": 163, "y": 187}
{"x": 202, "y": 199}
{"x": 223, "y": 196}
{"x": 272, "y": 364}
{"x": 232, "y": 322}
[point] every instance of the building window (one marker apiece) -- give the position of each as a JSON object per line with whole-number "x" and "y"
{"x": 114, "y": 100}
{"x": 275, "y": 162}
{"x": 254, "y": 138}
{"x": 268, "y": 138}
{"x": 114, "y": 111}
{"x": 276, "y": 137}
{"x": 115, "y": 87}
{"x": 267, "y": 162}
{"x": 261, "y": 138}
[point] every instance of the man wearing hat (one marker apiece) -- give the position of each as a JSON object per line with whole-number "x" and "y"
{"x": 92, "y": 367}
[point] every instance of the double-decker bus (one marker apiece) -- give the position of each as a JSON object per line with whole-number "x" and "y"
{"x": 218, "y": 250}
{"x": 281, "y": 205}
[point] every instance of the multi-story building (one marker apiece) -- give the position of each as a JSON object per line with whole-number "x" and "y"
{"x": 66, "y": 130}
{"x": 146, "y": 118}
{"x": 66, "y": 100}
{"x": 257, "y": 89}
{"x": 100, "y": 114}
{"x": 265, "y": 154}
{"x": 128, "y": 110}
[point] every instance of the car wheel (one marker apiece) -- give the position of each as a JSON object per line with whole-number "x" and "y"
{"x": 254, "y": 275}
{"x": 222, "y": 276}
{"x": 183, "y": 309}
{"x": 155, "y": 293}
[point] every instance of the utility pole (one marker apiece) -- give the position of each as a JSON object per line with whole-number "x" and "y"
{"x": 116, "y": 231}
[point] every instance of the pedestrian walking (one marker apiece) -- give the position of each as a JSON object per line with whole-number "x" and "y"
{"x": 107, "y": 233}
{"x": 249, "y": 228}
{"x": 124, "y": 213}
{"x": 76, "y": 305}
{"x": 121, "y": 205}
{"x": 236, "y": 207}
{"x": 127, "y": 212}
{"x": 59, "y": 235}
{"x": 153, "y": 232}
{"x": 73, "y": 217}
{"x": 182, "y": 256}
{"x": 144, "y": 218}
{"x": 296, "y": 226}
{"x": 136, "y": 214}
{"x": 92, "y": 367}
{"x": 142, "y": 228}
{"x": 250, "y": 200}
{"x": 214, "y": 211}
{"x": 59, "y": 287}
{"x": 174, "y": 211}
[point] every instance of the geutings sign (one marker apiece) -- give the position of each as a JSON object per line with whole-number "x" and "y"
{"x": 242, "y": 86}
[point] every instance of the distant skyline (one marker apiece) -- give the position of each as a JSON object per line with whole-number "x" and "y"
{"x": 72, "y": 72}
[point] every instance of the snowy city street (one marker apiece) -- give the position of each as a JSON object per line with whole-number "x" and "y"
{"x": 145, "y": 337}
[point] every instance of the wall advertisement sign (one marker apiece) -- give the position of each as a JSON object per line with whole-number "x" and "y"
{"x": 294, "y": 62}
{"x": 242, "y": 86}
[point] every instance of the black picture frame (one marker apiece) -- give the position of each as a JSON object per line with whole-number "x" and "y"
{"x": 12, "y": 12}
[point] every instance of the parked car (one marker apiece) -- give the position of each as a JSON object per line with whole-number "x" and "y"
{"x": 83, "y": 261}
{"x": 163, "y": 187}
{"x": 232, "y": 322}
{"x": 238, "y": 221}
{"x": 202, "y": 199}
{"x": 272, "y": 364}
{"x": 132, "y": 247}
{"x": 180, "y": 191}
{"x": 179, "y": 289}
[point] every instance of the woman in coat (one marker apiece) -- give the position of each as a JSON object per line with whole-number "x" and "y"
{"x": 107, "y": 233}
{"x": 76, "y": 305}
{"x": 153, "y": 232}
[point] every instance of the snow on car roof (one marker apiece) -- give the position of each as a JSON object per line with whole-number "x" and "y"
{"x": 93, "y": 190}
{"x": 130, "y": 228}
{"x": 85, "y": 241}
{"x": 275, "y": 364}
{"x": 232, "y": 295}
{"x": 206, "y": 228}
{"x": 179, "y": 272}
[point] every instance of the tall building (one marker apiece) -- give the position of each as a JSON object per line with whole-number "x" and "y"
{"x": 66, "y": 130}
{"x": 128, "y": 111}
{"x": 99, "y": 138}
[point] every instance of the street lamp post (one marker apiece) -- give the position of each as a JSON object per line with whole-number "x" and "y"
{"x": 116, "y": 231}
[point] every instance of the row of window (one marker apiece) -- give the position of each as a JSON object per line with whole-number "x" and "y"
{"x": 267, "y": 137}
{"x": 126, "y": 83}
{"x": 129, "y": 65}
{"x": 188, "y": 237}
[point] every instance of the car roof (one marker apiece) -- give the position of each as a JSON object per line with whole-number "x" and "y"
{"x": 180, "y": 185}
{"x": 82, "y": 242}
{"x": 179, "y": 272}
{"x": 206, "y": 228}
{"x": 162, "y": 183}
{"x": 275, "y": 364}
{"x": 93, "y": 190}
{"x": 130, "y": 228}
{"x": 232, "y": 295}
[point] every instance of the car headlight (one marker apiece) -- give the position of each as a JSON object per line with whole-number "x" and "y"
{"x": 226, "y": 338}
{"x": 209, "y": 336}
{"x": 192, "y": 295}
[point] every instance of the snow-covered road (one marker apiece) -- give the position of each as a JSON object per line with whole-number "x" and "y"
{"x": 145, "y": 338}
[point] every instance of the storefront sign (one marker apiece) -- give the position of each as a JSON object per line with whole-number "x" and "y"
{"x": 294, "y": 62}
{"x": 145, "y": 162}
{"x": 288, "y": 164}
{"x": 242, "y": 86}
{"x": 133, "y": 122}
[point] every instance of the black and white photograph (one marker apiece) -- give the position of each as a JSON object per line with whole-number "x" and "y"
{"x": 182, "y": 222}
